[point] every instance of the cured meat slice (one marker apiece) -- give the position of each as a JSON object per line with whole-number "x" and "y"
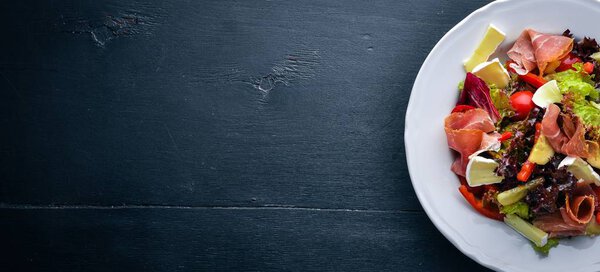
{"x": 467, "y": 132}
{"x": 580, "y": 209}
{"x": 570, "y": 140}
{"x": 549, "y": 48}
{"x": 522, "y": 54}
{"x": 534, "y": 49}
{"x": 568, "y": 125}
{"x": 580, "y": 206}
{"x": 472, "y": 119}
{"x": 555, "y": 225}
{"x": 577, "y": 146}
{"x": 551, "y": 130}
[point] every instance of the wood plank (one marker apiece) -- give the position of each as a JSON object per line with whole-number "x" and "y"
{"x": 224, "y": 240}
{"x": 235, "y": 103}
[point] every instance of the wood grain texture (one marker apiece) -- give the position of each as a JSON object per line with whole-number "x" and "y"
{"x": 169, "y": 111}
{"x": 224, "y": 240}
{"x": 214, "y": 135}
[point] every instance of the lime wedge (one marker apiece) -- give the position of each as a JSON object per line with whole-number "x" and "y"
{"x": 481, "y": 171}
{"x": 547, "y": 94}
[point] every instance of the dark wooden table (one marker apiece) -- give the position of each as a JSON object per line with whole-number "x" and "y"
{"x": 214, "y": 135}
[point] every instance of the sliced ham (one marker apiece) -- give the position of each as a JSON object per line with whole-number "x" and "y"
{"x": 580, "y": 206}
{"x": 549, "y": 48}
{"x": 586, "y": 189}
{"x": 473, "y": 119}
{"x": 490, "y": 141}
{"x": 580, "y": 209}
{"x": 551, "y": 130}
{"x": 533, "y": 49}
{"x": 568, "y": 125}
{"x": 556, "y": 226}
{"x": 577, "y": 146}
{"x": 568, "y": 140}
{"x": 522, "y": 54}
{"x": 467, "y": 133}
{"x": 572, "y": 219}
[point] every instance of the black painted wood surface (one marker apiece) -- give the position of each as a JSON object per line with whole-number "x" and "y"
{"x": 214, "y": 135}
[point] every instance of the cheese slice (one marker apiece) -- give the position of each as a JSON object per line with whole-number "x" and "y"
{"x": 581, "y": 170}
{"x": 491, "y": 40}
{"x": 547, "y": 94}
{"x": 481, "y": 171}
{"x": 492, "y": 72}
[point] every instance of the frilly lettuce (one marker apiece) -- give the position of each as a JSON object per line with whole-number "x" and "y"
{"x": 578, "y": 88}
{"x": 587, "y": 112}
{"x": 501, "y": 101}
{"x": 576, "y": 81}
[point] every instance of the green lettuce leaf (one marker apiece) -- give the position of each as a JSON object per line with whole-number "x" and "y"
{"x": 520, "y": 208}
{"x": 501, "y": 101}
{"x": 576, "y": 81}
{"x": 552, "y": 242}
{"x": 587, "y": 112}
{"x": 578, "y": 89}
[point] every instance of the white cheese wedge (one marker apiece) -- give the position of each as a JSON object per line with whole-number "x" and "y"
{"x": 581, "y": 170}
{"x": 492, "y": 72}
{"x": 492, "y": 38}
{"x": 481, "y": 171}
{"x": 547, "y": 94}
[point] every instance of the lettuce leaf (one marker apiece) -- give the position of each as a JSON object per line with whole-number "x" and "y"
{"x": 520, "y": 208}
{"x": 589, "y": 114}
{"x": 552, "y": 242}
{"x": 576, "y": 81}
{"x": 501, "y": 101}
{"x": 578, "y": 89}
{"x": 476, "y": 93}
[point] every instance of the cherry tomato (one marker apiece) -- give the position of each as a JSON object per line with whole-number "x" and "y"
{"x": 567, "y": 63}
{"x": 522, "y": 103}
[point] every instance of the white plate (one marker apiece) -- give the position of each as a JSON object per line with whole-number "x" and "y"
{"x": 433, "y": 96}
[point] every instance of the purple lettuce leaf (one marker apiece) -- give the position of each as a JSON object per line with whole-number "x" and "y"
{"x": 477, "y": 94}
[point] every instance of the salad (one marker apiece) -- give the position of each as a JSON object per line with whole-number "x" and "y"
{"x": 526, "y": 131}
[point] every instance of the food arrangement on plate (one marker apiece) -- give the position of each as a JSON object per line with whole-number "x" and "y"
{"x": 527, "y": 134}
